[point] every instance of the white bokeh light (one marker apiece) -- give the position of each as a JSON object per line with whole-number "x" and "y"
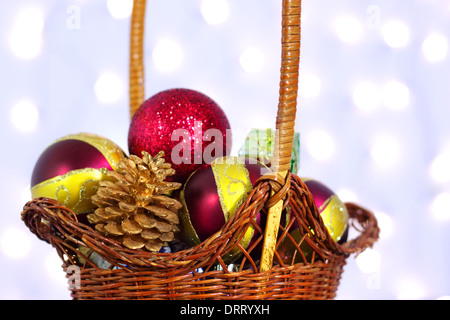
{"x": 25, "y": 195}
{"x": 349, "y": 29}
{"x": 167, "y": 55}
{"x": 440, "y": 168}
{"x": 366, "y": 95}
{"x": 385, "y": 223}
{"x": 347, "y": 195}
{"x": 410, "y": 289}
{"x": 385, "y": 151}
{"x": 215, "y": 11}
{"x": 395, "y": 95}
{"x": 25, "y": 115}
{"x": 109, "y": 88}
{"x": 320, "y": 144}
{"x": 15, "y": 243}
{"x": 25, "y": 38}
{"x": 252, "y": 60}
{"x": 54, "y": 269}
{"x": 369, "y": 261}
{"x": 309, "y": 85}
{"x": 435, "y": 47}
{"x": 120, "y": 9}
{"x": 440, "y": 207}
{"x": 395, "y": 33}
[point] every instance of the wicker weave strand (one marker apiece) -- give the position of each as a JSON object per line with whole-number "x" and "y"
{"x": 136, "y": 73}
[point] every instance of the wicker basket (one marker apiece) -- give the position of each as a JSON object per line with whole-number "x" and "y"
{"x": 200, "y": 272}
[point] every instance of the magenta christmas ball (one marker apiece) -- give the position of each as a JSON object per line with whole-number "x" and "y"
{"x": 187, "y": 125}
{"x": 332, "y": 210}
{"x": 334, "y": 215}
{"x": 70, "y": 169}
{"x": 213, "y": 193}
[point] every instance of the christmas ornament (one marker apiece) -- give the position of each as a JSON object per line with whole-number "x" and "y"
{"x": 70, "y": 168}
{"x": 259, "y": 144}
{"x": 188, "y": 126}
{"x": 333, "y": 213}
{"x": 133, "y": 207}
{"x": 213, "y": 193}
{"x": 332, "y": 210}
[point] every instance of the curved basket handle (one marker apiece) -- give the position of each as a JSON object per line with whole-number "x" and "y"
{"x": 290, "y": 58}
{"x": 57, "y": 225}
{"x": 137, "y": 76}
{"x": 369, "y": 232}
{"x": 287, "y": 105}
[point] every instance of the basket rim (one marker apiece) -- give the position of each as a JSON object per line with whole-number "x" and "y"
{"x": 49, "y": 220}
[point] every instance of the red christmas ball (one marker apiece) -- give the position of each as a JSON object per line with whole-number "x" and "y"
{"x": 187, "y": 125}
{"x": 332, "y": 210}
{"x": 67, "y": 155}
{"x": 70, "y": 168}
{"x": 333, "y": 213}
{"x": 213, "y": 193}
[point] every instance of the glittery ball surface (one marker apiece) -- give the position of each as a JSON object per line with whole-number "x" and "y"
{"x": 187, "y": 125}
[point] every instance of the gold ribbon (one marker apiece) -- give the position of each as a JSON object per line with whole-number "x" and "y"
{"x": 107, "y": 148}
{"x": 73, "y": 189}
{"x": 334, "y": 214}
{"x": 233, "y": 183}
{"x": 233, "y": 186}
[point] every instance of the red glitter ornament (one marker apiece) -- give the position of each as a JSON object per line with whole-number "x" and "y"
{"x": 187, "y": 125}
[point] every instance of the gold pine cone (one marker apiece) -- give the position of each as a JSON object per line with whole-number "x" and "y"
{"x": 134, "y": 207}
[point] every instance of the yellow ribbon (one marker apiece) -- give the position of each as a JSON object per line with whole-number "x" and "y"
{"x": 335, "y": 216}
{"x": 73, "y": 189}
{"x": 107, "y": 148}
{"x": 233, "y": 186}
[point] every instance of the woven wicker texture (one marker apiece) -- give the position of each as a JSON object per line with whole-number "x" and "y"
{"x": 204, "y": 271}
{"x": 136, "y": 73}
{"x": 200, "y": 272}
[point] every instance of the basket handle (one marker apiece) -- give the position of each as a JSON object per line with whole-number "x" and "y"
{"x": 136, "y": 71}
{"x": 290, "y": 58}
{"x": 287, "y": 109}
{"x": 287, "y": 104}
{"x": 368, "y": 228}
